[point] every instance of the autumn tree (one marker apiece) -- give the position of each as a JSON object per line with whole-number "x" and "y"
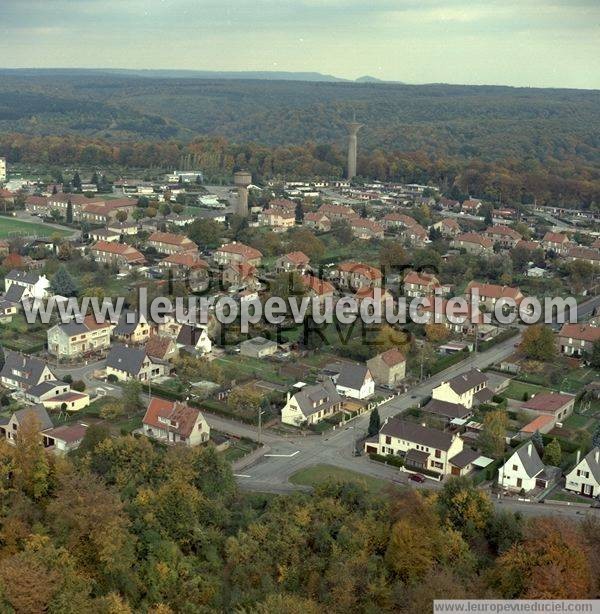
{"x": 538, "y": 343}
{"x": 31, "y": 466}
{"x": 550, "y": 563}
{"x": 492, "y": 438}
{"x": 436, "y": 332}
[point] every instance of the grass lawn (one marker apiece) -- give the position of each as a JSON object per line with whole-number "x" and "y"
{"x": 260, "y": 368}
{"x": 238, "y": 449}
{"x": 577, "y": 421}
{"x": 11, "y": 227}
{"x": 321, "y": 474}
{"x": 576, "y": 380}
{"x": 570, "y": 497}
{"x": 517, "y": 389}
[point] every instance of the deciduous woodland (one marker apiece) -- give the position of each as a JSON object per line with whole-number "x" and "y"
{"x": 124, "y": 526}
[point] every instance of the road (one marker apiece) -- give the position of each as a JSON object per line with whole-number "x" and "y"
{"x": 271, "y": 473}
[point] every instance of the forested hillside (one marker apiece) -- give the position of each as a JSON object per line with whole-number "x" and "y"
{"x": 125, "y": 526}
{"x": 497, "y": 142}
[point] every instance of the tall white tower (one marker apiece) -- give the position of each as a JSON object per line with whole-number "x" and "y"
{"x": 353, "y": 128}
{"x": 2, "y": 170}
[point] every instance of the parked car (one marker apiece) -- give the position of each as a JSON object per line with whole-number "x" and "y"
{"x": 416, "y": 477}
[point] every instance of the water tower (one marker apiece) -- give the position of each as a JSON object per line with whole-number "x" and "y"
{"x": 242, "y": 179}
{"x": 353, "y": 128}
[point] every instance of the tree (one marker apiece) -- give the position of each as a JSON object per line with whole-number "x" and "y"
{"x": 392, "y": 254}
{"x": 492, "y": 438}
{"x": 552, "y": 454}
{"x": 112, "y": 410}
{"x": 94, "y": 434}
{"x": 121, "y": 216}
{"x": 594, "y": 359}
{"x": 69, "y": 215}
{"x": 76, "y": 182}
{"x": 538, "y": 343}
{"x": 504, "y": 529}
{"x": 164, "y": 209}
{"x": 464, "y": 506}
{"x": 596, "y": 437}
{"x": 151, "y": 212}
{"x": 55, "y": 215}
{"x": 138, "y": 214}
{"x": 31, "y": 467}
{"x": 550, "y": 563}
{"x": 342, "y": 231}
{"x": 436, "y": 332}
{"x": 62, "y": 283}
{"x": 205, "y": 233}
{"x": 303, "y": 240}
{"x": 374, "y": 423}
{"x": 132, "y": 400}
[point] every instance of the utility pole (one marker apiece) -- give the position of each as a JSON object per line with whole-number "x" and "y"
{"x": 259, "y": 425}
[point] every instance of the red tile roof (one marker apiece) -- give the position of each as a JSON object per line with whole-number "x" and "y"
{"x": 239, "y": 248}
{"x": 555, "y": 237}
{"x": 359, "y": 268}
{"x": 473, "y": 237}
{"x": 421, "y": 279}
{"x": 186, "y": 259}
{"x": 298, "y": 258}
{"x": 501, "y": 229}
{"x": 548, "y": 401}
{"x": 392, "y": 357}
{"x": 582, "y": 332}
{"x": 121, "y": 249}
{"x": 170, "y": 238}
{"x": 537, "y": 423}
{"x": 181, "y": 417}
{"x": 318, "y": 286}
{"x": 494, "y": 291}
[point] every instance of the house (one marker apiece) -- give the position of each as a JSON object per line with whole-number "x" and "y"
{"x": 74, "y": 338}
{"x": 584, "y": 478}
{"x": 577, "y": 339}
{"x": 317, "y": 221}
{"x": 194, "y": 338}
{"x": 11, "y": 427}
{"x": 312, "y": 404}
{"x": 471, "y": 206}
{"x": 120, "y": 255}
{"x": 504, "y": 236}
{"x": 422, "y": 448}
{"x": 278, "y": 219}
{"x": 417, "y": 284}
{"x": 524, "y": 470}
{"x": 20, "y": 285}
{"x": 462, "y": 389}
{"x": 103, "y": 234}
{"x": 447, "y": 411}
{"x": 449, "y": 203}
{"x": 235, "y": 253}
{"x": 317, "y": 288}
{"x": 337, "y": 213}
{"x": 447, "y": 227}
{"x": 161, "y": 347}
{"x": 530, "y": 246}
{"x": 388, "y": 368}
{"x": 366, "y": 229}
{"x": 132, "y": 327}
{"x": 395, "y": 220}
{"x": 175, "y": 422}
{"x": 125, "y": 363}
{"x": 240, "y": 274}
{"x": 189, "y": 267}
{"x": 543, "y": 423}
{"x": 357, "y": 275}
{"x": 558, "y": 405}
{"x": 258, "y": 347}
{"x": 473, "y": 243}
{"x": 170, "y": 243}
{"x": 7, "y": 310}
{"x": 294, "y": 261}
{"x": 556, "y": 242}
{"x": 415, "y": 235}
{"x": 22, "y": 372}
{"x": 585, "y": 254}
{"x": 64, "y": 438}
{"x": 489, "y": 294}
{"x": 46, "y": 390}
{"x": 351, "y": 379}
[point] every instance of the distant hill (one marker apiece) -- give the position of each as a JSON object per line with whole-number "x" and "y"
{"x": 368, "y": 79}
{"x": 468, "y": 122}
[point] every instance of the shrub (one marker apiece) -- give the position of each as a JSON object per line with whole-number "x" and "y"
{"x": 78, "y": 385}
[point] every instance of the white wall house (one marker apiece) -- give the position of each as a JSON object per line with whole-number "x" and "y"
{"x": 461, "y": 389}
{"x": 524, "y": 470}
{"x": 584, "y": 478}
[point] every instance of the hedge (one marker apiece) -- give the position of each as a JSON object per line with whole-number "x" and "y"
{"x": 388, "y": 459}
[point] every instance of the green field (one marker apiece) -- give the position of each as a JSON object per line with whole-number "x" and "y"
{"x": 517, "y": 389}
{"x": 10, "y": 227}
{"x": 321, "y": 474}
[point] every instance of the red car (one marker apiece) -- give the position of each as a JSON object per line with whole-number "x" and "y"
{"x": 416, "y": 477}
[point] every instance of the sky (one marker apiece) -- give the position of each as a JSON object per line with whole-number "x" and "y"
{"x": 537, "y": 43}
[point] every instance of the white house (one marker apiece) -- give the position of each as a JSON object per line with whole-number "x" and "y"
{"x": 26, "y": 285}
{"x": 524, "y": 470}
{"x": 311, "y": 404}
{"x": 175, "y": 422}
{"x": 351, "y": 379}
{"x": 584, "y": 478}
{"x": 462, "y": 389}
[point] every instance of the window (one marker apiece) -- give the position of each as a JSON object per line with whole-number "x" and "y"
{"x": 438, "y": 454}
{"x": 388, "y": 440}
{"x": 515, "y": 468}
